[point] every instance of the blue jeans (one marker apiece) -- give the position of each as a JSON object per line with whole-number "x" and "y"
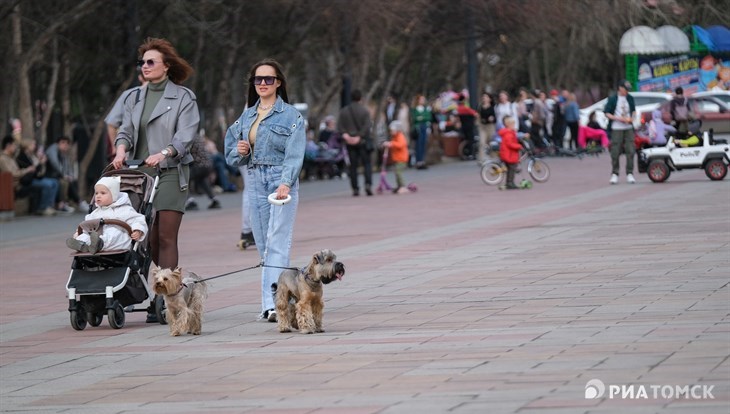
{"x": 422, "y": 130}
{"x": 272, "y": 225}
{"x": 221, "y": 171}
{"x": 48, "y": 188}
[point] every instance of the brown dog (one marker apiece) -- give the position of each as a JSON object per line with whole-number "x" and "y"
{"x": 184, "y": 299}
{"x": 299, "y": 303}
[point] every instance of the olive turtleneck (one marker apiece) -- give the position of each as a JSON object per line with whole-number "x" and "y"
{"x": 154, "y": 94}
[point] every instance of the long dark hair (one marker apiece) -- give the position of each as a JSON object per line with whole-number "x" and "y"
{"x": 178, "y": 68}
{"x": 281, "y": 90}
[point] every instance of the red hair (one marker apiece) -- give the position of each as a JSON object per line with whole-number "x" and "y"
{"x": 178, "y": 68}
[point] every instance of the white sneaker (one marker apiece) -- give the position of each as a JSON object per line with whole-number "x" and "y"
{"x": 614, "y": 179}
{"x": 84, "y": 206}
{"x": 630, "y": 179}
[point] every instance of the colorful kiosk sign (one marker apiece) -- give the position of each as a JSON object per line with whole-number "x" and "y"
{"x": 693, "y": 72}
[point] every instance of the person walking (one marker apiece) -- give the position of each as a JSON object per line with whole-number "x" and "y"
{"x": 572, "y": 117}
{"x": 421, "y": 119}
{"x": 558, "y": 119}
{"x": 487, "y": 122}
{"x": 620, "y": 110}
{"x": 159, "y": 126}
{"x": 354, "y": 126}
{"x": 505, "y": 108}
{"x": 269, "y": 138}
{"x": 538, "y": 115}
{"x": 200, "y": 171}
{"x": 680, "y": 112}
{"x": 115, "y": 116}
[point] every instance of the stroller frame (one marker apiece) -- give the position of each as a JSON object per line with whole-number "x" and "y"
{"x": 109, "y": 281}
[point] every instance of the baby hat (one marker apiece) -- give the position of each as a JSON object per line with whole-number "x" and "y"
{"x": 113, "y": 184}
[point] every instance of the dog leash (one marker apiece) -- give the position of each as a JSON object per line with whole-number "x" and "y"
{"x": 245, "y": 269}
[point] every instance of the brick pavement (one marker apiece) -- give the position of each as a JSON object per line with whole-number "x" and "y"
{"x": 459, "y": 298}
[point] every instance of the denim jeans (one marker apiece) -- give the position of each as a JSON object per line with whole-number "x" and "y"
{"x": 272, "y": 225}
{"x": 245, "y": 217}
{"x": 48, "y": 188}
{"x": 421, "y": 142}
{"x": 221, "y": 171}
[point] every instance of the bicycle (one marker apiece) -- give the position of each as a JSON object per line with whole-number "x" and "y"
{"x": 493, "y": 172}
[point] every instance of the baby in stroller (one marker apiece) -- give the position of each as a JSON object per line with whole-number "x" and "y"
{"x": 113, "y": 224}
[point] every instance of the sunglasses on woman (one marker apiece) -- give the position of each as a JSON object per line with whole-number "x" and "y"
{"x": 150, "y": 63}
{"x": 269, "y": 80}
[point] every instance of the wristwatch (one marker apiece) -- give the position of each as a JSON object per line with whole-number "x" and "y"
{"x": 166, "y": 152}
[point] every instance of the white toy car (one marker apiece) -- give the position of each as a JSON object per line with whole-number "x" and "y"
{"x": 712, "y": 156}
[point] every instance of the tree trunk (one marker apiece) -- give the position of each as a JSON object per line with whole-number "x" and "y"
{"x": 66, "y": 96}
{"x": 50, "y": 95}
{"x": 34, "y": 53}
{"x": 25, "y": 108}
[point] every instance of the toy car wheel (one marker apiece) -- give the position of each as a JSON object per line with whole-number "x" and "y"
{"x": 161, "y": 309}
{"x": 716, "y": 169}
{"x": 658, "y": 171}
{"x": 116, "y": 316}
{"x": 94, "y": 319}
{"x": 492, "y": 173}
{"x": 77, "y": 320}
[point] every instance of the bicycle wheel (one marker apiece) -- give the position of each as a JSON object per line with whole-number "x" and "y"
{"x": 538, "y": 170}
{"x": 492, "y": 173}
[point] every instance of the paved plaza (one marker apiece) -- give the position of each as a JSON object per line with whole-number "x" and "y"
{"x": 459, "y": 298}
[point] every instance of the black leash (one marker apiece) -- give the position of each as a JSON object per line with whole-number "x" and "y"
{"x": 244, "y": 269}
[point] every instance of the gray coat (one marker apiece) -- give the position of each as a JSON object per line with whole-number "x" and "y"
{"x": 174, "y": 121}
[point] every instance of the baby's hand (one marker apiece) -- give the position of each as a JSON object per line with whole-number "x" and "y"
{"x": 136, "y": 235}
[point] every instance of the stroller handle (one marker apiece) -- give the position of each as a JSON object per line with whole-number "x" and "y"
{"x": 132, "y": 164}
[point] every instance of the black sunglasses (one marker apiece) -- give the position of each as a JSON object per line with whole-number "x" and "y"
{"x": 269, "y": 80}
{"x": 150, "y": 63}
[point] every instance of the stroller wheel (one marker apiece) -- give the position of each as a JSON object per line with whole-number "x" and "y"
{"x": 161, "y": 310}
{"x": 116, "y": 316}
{"x": 94, "y": 319}
{"x": 77, "y": 320}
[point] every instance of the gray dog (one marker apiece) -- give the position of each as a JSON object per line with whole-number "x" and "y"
{"x": 299, "y": 303}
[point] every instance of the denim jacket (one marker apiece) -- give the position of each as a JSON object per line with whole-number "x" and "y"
{"x": 280, "y": 140}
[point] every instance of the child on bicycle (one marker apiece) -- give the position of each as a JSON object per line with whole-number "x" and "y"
{"x": 509, "y": 150}
{"x": 398, "y": 154}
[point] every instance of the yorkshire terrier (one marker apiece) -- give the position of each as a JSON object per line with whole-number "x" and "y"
{"x": 184, "y": 297}
{"x": 299, "y": 303}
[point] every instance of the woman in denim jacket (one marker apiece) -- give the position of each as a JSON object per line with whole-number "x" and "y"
{"x": 269, "y": 138}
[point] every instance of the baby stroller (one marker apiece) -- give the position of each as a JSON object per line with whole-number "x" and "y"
{"x": 108, "y": 281}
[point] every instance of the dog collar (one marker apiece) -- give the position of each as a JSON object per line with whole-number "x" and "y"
{"x": 182, "y": 286}
{"x": 306, "y": 276}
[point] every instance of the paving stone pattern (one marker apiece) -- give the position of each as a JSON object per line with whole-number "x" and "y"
{"x": 459, "y": 298}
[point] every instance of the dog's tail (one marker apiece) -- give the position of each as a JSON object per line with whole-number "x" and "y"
{"x": 200, "y": 282}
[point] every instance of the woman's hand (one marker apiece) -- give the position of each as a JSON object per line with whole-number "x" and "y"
{"x": 243, "y": 147}
{"x": 118, "y": 161}
{"x": 282, "y": 192}
{"x": 136, "y": 235}
{"x": 154, "y": 159}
